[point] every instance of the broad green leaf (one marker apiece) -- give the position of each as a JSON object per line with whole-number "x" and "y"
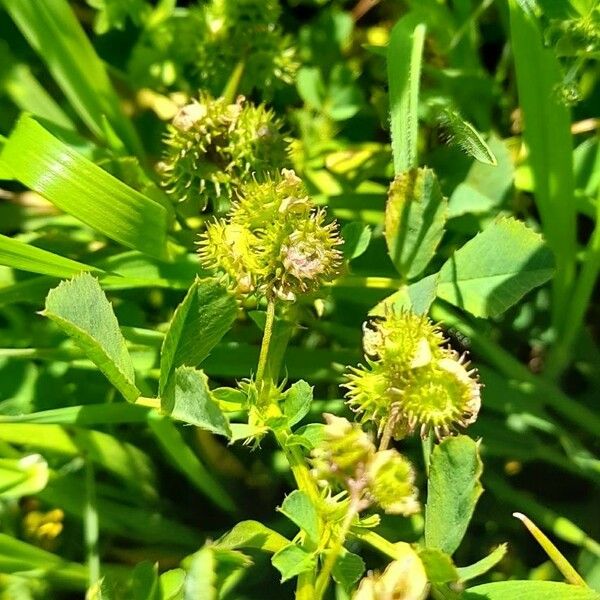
{"x": 143, "y": 583}
{"x": 80, "y": 308}
{"x": 416, "y": 297}
{"x": 18, "y": 255}
{"x": 201, "y": 580}
{"x": 253, "y": 534}
{"x": 57, "y": 36}
{"x": 452, "y": 492}
{"x": 495, "y": 269}
{"x": 22, "y": 476}
{"x": 187, "y": 462}
{"x": 484, "y": 565}
{"x": 348, "y": 569}
{"x": 467, "y": 138}
{"x": 485, "y": 186}
{"x": 356, "y": 238}
{"x": 79, "y": 187}
{"x": 530, "y": 590}
{"x": 404, "y": 55}
{"x": 299, "y": 509}
{"x": 171, "y": 584}
{"x": 292, "y": 560}
{"x": 19, "y": 557}
{"x": 296, "y": 402}
{"x": 200, "y": 321}
{"x": 415, "y": 216}
{"x": 189, "y": 399}
{"x": 438, "y": 566}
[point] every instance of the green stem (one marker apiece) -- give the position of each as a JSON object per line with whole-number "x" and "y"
{"x": 560, "y": 355}
{"x": 90, "y": 525}
{"x": 427, "y": 445}
{"x": 233, "y": 83}
{"x": 395, "y": 551}
{"x": 325, "y": 574}
{"x": 264, "y": 348}
{"x": 305, "y": 587}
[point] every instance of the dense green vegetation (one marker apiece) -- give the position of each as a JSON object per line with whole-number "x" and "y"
{"x": 298, "y": 299}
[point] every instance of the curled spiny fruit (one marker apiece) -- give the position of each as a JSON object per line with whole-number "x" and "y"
{"x": 411, "y": 380}
{"x": 212, "y": 147}
{"x": 274, "y": 240}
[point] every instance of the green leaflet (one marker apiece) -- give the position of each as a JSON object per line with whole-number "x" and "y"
{"x": 22, "y": 476}
{"x": 56, "y": 35}
{"x": 404, "y": 55}
{"x": 189, "y": 399}
{"x": 484, "y": 565}
{"x": 415, "y": 216}
{"x": 79, "y": 187}
{"x": 80, "y": 308}
{"x": 299, "y": 509}
{"x": 452, "y": 492}
{"x": 253, "y": 534}
{"x": 530, "y": 590}
{"x": 200, "y": 321}
{"x": 495, "y": 269}
{"x": 292, "y": 560}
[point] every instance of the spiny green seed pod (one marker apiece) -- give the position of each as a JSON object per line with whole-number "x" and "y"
{"x": 411, "y": 380}
{"x": 403, "y": 579}
{"x": 246, "y": 31}
{"x": 212, "y": 147}
{"x": 274, "y": 240}
{"x": 392, "y": 483}
{"x": 343, "y": 453}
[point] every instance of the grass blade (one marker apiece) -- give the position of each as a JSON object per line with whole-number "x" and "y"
{"x": 548, "y": 137}
{"x": 404, "y": 70}
{"x": 79, "y": 187}
{"x": 56, "y": 35}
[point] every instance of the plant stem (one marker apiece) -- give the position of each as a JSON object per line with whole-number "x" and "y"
{"x": 334, "y": 551}
{"x": 90, "y": 525}
{"x": 393, "y": 550}
{"x": 264, "y": 348}
{"x": 427, "y": 445}
{"x": 234, "y": 82}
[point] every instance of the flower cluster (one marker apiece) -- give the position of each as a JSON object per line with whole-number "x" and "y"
{"x": 213, "y": 146}
{"x": 402, "y": 579}
{"x": 246, "y": 31}
{"x": 346, "y": 458}
{"x": 274, "y": 242}
{"x": 412, "y": 380}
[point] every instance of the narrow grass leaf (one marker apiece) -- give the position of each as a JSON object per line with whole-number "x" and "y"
{"x": 452, "y": 492}
{"x": 200, "y": 321}
{"x": 19, "y": 255}
{"x": 79, "y": 187}
{"x": 22, "y": 476}
{"x": 404, "y": 57}
{"x": 495, "y": 269}
{"x": 80, "y": 308}
{"x": 547, "y": 132}
{"x": 20, "y": 557}
{"x": 415, "y": 217}
{"x": 57, "y": 36}
{"x": 555, "y": 555}
{"x": 187, "y": 462}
